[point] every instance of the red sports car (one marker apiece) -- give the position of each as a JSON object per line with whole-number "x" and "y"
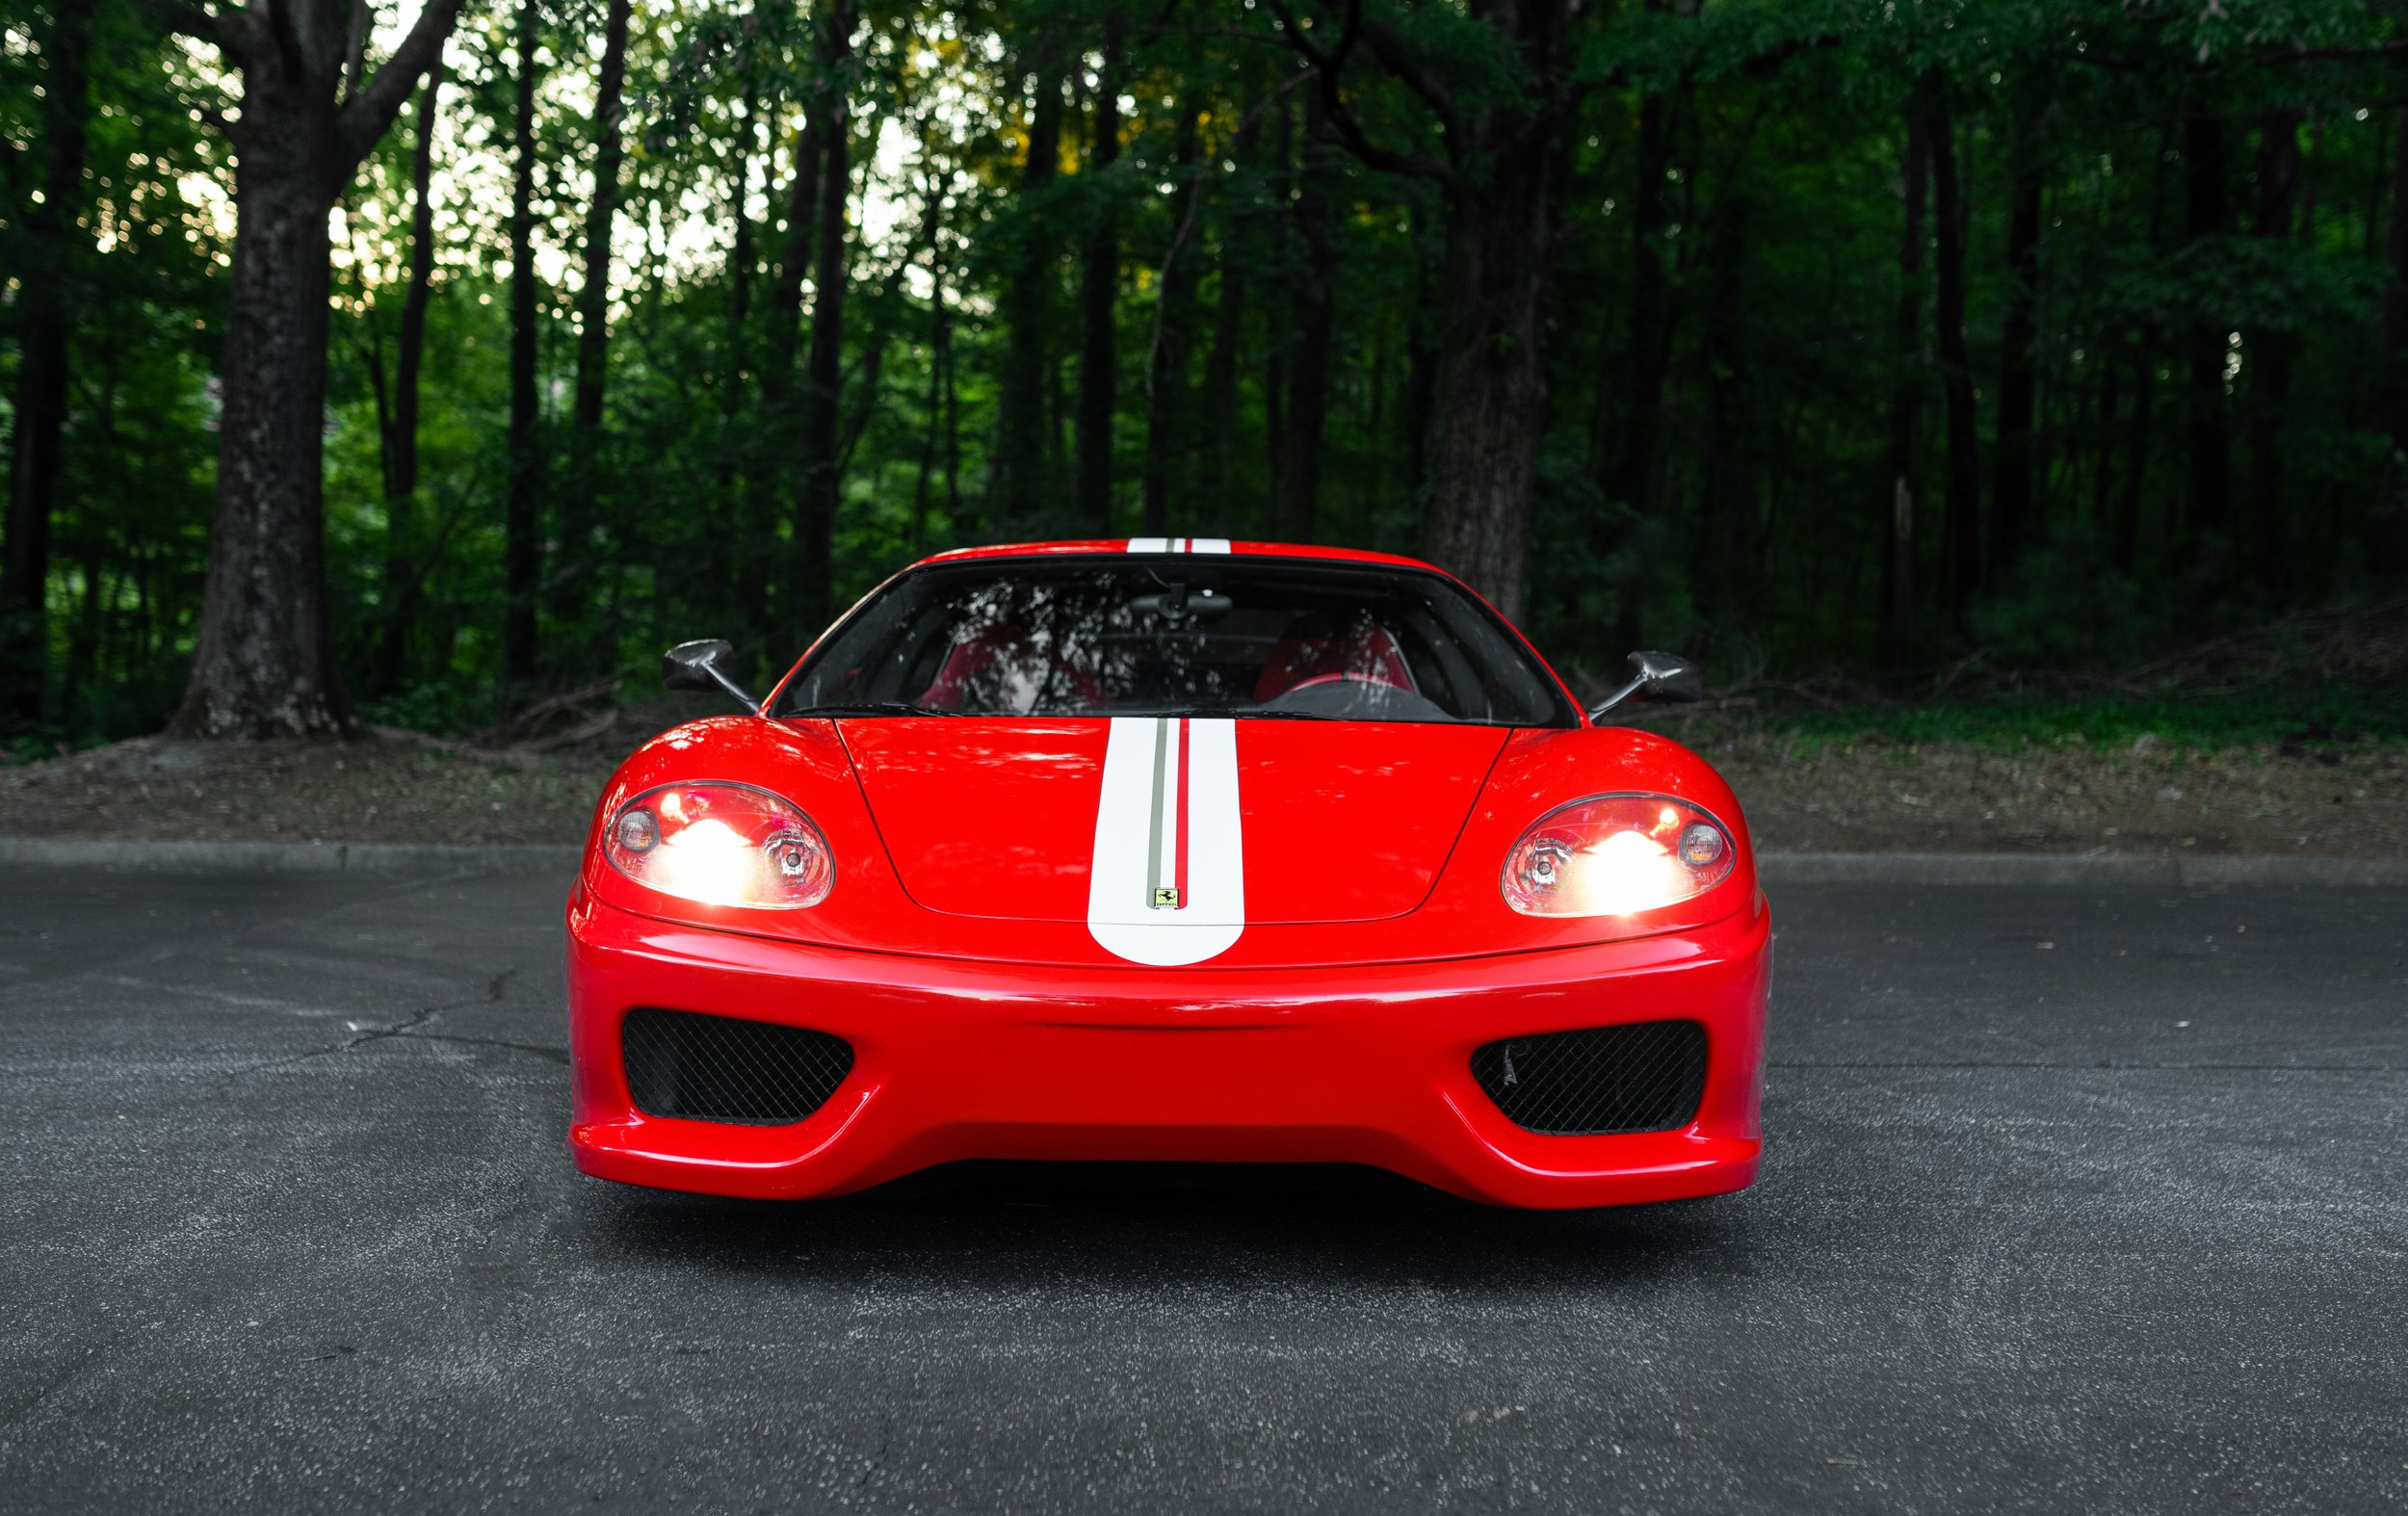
{"x": 1169, "y": 849}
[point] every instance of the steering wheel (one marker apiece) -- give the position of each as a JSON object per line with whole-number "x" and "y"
{"x": 1346, "y": 676}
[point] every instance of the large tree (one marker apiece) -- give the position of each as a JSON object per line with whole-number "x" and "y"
{"x": 1497, "y": 170}
{"x": 263, "y": 664}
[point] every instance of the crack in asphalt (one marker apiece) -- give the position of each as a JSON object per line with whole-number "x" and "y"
{"x": 408, "y": 1028}
{"x": 558, "y": 1055}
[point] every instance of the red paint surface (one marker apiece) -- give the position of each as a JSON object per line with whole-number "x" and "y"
{"x": 954, "y": 1060}
{"x": 995, "y": 815}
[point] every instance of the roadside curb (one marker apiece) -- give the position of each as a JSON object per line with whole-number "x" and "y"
{"x": 285, "y": 857}
{"x": 2170, "y": 869}
{"x": 1777, "y": 869}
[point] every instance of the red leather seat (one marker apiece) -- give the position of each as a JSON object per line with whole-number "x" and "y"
{"x": 1317, "y": 650}
{"x": 1006, "y": 651}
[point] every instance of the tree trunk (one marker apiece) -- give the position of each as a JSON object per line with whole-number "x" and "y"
{"x": 2270, "y": 350}
{"x": 593, "y": 302}
{"x": 2011, "y": 476}
{"x": 2124, "y": 539}
{"x": 803, "y": 204}
{"x": 1961, "y": 527}
{"x": 729, "y": 553}
{"x": 2207, "y": 502}
{"x": 1220, "y": 373}
{"x": 1898, "y": 555}
{"x": 1174, "y": 316}
{"x": 1026, "y": 308}
{"x": 1726, "y": 555}
{"x": 2125, "y": 544}
{"x": 815, "y": 526}
{"x": 1649, "y": 360}
{"x": 401, "y": 575}
{"x": 1099, "y": 288}
{"x": 1490, "y": 407}
{"x": 263, "y": 658}
{"x": 2111, "y": 402}
{"x": 2388, "y": 534}
{"x": 521, "y": 550}
{"x": 932, "y": 414}
{"x": 767, "y": 451}
{"x": 1314, "y": 301}
{"x": 44, "y": 297}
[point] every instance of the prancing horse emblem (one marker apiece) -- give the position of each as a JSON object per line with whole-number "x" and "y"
{"x": 1166, "y": 897}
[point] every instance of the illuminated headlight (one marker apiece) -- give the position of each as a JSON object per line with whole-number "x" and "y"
{"x": 722, "y": 844}
{"x": 1615, "y": 854}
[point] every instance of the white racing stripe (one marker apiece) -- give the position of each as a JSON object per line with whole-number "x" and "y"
{"x": 1140, "y": 833}
{"x": 1178, "y": 544}
{"x": 1140, "y": 905}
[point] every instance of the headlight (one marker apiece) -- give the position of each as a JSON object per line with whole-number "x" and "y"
{"x": 1613, "y": 854}
{"x": 722, "y": 844}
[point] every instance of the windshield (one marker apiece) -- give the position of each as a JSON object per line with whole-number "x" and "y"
{"x": 1174, "y": 635}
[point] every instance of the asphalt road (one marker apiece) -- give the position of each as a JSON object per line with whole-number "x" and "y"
{"x": 2076, "y": 1200}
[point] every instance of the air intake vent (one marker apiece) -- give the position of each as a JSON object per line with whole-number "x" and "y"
{"x": 718, "y": 1068}
{"x": 1645, "y": 1076}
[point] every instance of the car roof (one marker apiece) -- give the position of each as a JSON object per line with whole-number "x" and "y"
{"x": 1179, "y": 545}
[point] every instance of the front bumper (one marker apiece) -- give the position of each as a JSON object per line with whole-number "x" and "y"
{"x": 957, "y": 1060}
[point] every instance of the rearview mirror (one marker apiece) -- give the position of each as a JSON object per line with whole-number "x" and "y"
{"x": 702, "y": 664}
{"x": 1658, "y": 677}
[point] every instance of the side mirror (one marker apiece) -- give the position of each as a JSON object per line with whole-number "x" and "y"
{"x": 702, "y": 665}
{"x": 1658, "y": 677}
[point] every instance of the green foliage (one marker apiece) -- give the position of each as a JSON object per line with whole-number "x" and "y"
{"x": 1755, "y": 538}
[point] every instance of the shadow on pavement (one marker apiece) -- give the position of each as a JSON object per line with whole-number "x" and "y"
{"x": 1133, "y": 1225}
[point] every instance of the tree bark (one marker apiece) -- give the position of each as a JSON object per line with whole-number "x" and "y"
{"x": 1220, "y": 371}
{"x": 1174, "y": 317}
{"x": 932, "y": 417}
{"x": 263, "y": 660}
{"x": 1021, "y": 482}
{"x": 729, "y": 553}
{"x": 2270, "y": 350}
{"x": 2388, "y": 528}
{"x": 815, "y": 526}
{"x": 521, "y": 549}
{"x": 2124, "y": 539}
{"x": 1897, "y": 537}
{"x": 401, "y": 577}
{"x": 1279, "y": 312}
{"x": 1490, "y": 409}
{"x": 1315, "y": 304}
{"x": 1961, "y": 524}
{"x": 44, "y": 297}
{"x": 1649, "y": 360}
{"x": 1099, "y": 290}
{"x": 803, "y": 204}
{"x": 769, "y": 483}
{"x": 2011, "y": 464}
{"x": 2207, "y": 500}
{"x": 1726, "y": 555}
{"x": 593, "y": 301}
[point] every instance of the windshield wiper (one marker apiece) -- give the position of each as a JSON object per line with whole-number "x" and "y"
{"x": 870, "y": 708}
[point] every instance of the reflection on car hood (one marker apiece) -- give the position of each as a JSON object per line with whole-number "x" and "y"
{"x": 1335, "y": 820}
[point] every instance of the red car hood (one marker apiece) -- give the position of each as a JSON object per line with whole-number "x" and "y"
{"x": 1054, "y": 819}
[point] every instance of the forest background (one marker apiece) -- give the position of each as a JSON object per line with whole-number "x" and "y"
{"x": 422, "y": 366}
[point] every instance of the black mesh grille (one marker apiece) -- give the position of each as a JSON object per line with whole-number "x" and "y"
{"x": 717, "y": 1068}
{"x": 1645, "y": 1076}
